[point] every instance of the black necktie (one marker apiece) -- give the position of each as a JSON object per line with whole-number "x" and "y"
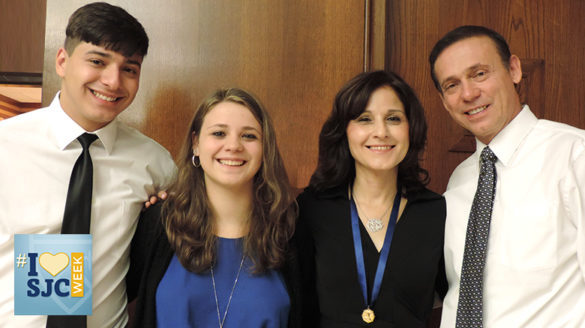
{"x": 77, "y": 217}
{"x": 470, "y": 307}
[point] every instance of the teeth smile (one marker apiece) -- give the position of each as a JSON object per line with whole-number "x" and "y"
{"x": 231, "y": 162}
{"x": 477, "y": 110}
{"x": 380, "y": 147}
{"x": 104, "y": 97}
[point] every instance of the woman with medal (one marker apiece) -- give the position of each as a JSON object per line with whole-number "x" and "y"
{"x": 370, "y": 235}
{"x": 216, "y": 252}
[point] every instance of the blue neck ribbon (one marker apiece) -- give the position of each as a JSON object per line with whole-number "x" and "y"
{"x": 359, "y": 255}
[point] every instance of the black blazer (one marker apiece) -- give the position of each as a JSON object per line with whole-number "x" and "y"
{"x": 150, "y": 256}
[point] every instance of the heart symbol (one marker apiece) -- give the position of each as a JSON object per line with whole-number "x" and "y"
{"x": 54, "y": 264}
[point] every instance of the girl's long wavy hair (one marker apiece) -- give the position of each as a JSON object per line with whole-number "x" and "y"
{"x": 336, "y": 166}
{"x": 186, "y": 213}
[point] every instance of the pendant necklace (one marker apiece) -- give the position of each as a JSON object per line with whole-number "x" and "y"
{"x": 373, "y": 224}
{"x": 368, "y": 315}
{"x": 221, "y": 321}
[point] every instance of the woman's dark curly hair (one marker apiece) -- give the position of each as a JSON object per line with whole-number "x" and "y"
{"x": 336, "y": 166}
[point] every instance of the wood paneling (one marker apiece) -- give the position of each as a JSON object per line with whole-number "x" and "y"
{"x": 19, "y": 93}
{"x": 377, "y": 34}
{"x": 22, "y": 28}
{"x": 548, "y": 35}
{"x": 294, "y": 55}
{"x": 10, "y": 107}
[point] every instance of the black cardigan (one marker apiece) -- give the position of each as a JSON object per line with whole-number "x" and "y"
{"x": 414, "y": 271}
{"x": 150, "y": 256}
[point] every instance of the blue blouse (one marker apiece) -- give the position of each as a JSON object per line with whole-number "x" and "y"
{"x": 186, "y": 299}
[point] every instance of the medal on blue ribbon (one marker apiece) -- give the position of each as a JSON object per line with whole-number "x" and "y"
{"x": 368, "y": 315}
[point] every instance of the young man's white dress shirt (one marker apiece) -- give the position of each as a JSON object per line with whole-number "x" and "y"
{"x": 37, "y": 153}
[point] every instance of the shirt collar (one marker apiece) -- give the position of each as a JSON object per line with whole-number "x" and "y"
{"x": 505, "y": 143}
{"x": 66, "y": 129}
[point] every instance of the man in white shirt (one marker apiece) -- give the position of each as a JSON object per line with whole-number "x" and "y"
{"x": 100, "y": 69}
{"x": 534, "y": 274}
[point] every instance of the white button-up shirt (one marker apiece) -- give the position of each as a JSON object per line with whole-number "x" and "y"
{"x": 37, "y": 154}
{"x": 535, "y": 267}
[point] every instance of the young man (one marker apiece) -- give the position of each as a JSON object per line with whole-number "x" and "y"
{"x": 100, "y": 67}
{"x": 532, "y": 272}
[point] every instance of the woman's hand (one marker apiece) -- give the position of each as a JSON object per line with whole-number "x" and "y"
{"x": 154, "y": 198}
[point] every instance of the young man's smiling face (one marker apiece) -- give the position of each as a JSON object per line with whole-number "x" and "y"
{"x": 477, "y": 89}
{"x": 97, "y": 84}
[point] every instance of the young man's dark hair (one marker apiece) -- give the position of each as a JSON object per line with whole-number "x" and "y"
{"x": 465, "y": 32}
{"x": 108, "y": 26}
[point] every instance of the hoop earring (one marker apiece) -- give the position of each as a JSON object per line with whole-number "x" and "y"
{"x": 195, "y": 160}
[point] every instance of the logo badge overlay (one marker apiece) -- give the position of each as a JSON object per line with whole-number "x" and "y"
{"x": 52, "y": 275}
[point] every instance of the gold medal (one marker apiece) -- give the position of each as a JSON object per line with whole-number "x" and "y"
{"x": 368, "y": 316}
